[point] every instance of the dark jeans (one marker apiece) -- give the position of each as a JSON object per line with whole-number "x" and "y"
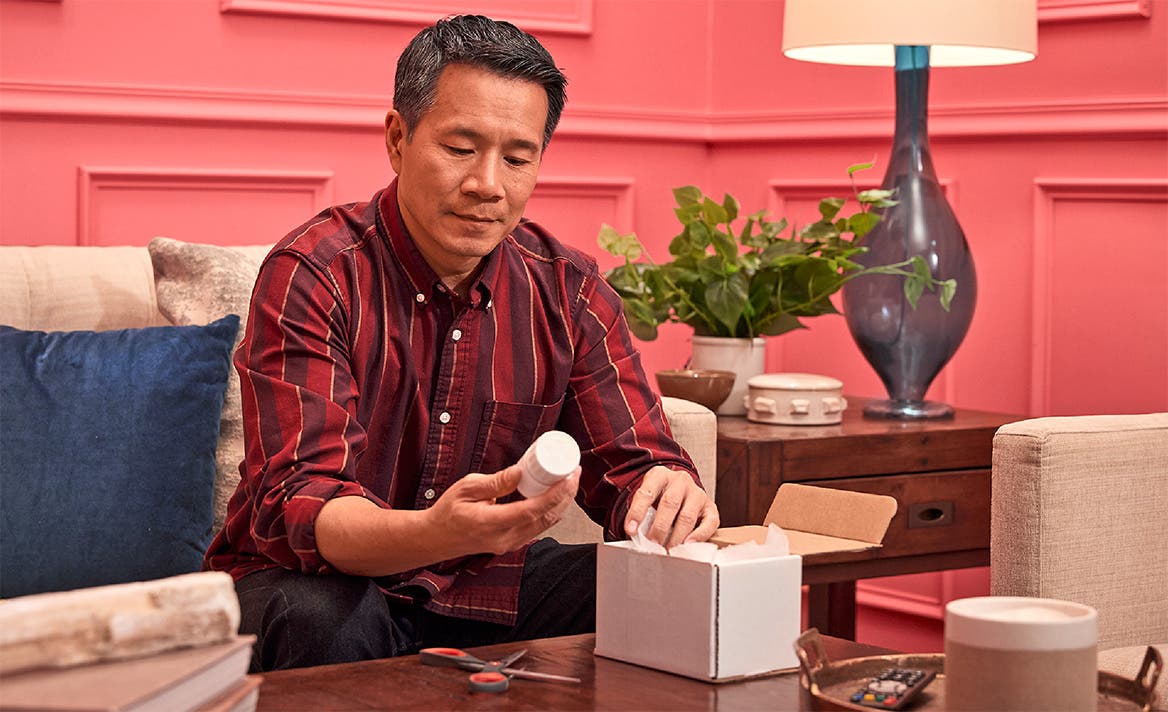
{"x": 302, "y": 620}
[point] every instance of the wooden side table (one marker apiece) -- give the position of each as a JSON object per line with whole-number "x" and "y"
{"x": 938, "y": 471}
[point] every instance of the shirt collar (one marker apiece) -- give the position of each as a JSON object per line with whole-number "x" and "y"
{"x": 423, "y": 279}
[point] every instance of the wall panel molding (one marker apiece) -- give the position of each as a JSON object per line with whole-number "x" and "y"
{"x": 886, "y": 598}
{"x": 124, "y": 102}
{"x": 568, "y": 17}
{"x": 877, "y": 594}
{"x": 316, "y": 186}
{"x": 617, "y": 189}
{"x": 1088, "y": 116}
{"x": 1048, "y": 193}
{"x": 1086, "y": 10}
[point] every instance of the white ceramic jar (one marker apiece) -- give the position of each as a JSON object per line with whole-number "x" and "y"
{"x": 794, "y": 399}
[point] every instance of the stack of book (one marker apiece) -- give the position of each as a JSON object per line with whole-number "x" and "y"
{"x": 168, "y": 645}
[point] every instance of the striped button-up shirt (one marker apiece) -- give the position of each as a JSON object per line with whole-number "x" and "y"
{"x": 363, "y": 374}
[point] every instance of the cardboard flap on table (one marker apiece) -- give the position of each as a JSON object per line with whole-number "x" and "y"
{"x": 819, "y": 520}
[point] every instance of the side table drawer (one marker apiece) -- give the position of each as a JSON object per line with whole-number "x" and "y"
{"x": 937, "y": 512}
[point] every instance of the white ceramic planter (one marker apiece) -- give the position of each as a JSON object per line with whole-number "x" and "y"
{"x": 745, "y": 357}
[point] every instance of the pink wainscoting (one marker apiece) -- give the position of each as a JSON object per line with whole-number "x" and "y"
{"x": 231, "y": 121}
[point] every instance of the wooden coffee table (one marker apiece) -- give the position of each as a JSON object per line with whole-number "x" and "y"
{"x": 405, "y": 683}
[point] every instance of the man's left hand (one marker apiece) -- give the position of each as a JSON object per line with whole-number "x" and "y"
{"x": 685, "y": 512}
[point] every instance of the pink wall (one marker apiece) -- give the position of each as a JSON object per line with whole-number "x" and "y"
{"x": 230, "y": 121}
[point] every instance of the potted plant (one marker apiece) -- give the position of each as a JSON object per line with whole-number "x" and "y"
{"x": 748, "y": 282}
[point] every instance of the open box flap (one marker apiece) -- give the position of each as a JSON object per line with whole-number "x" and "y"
{"x": 819, "y": 520}
{"x": 835, "y": 513}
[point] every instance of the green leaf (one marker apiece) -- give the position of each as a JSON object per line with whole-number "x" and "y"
{"x": 861, "y": 224}
{"x": 624, "y": 279}
{"x": 913, "y": 288}
{"x": 921, "y": 269}
{"x": 775, "y": 250}
{"x": 877, "y": 198}
{"x": 781, "y": 324}
{"x": 643, "y": 329}
{"x": 725, "y": 246}
{"x": 688, "y": 213}
{"x": 711, "y": 269}
{"x": 715, "y": 214}
{"x": 817, "y": 308}
{"x": 857, "y": 167}
{"x": 687, "y": 195}
{"x": 681, "y": 244}
{"x": 627, "y": 246}
{"x": 830, "y": 207}
{"x": 747, "y": 236}
{"x": 730, "y": 205}
{"x": 818, "y": 275}
{"x": 727, "y": 299}
{"x": 699, "y": 235}
{"x": 948, "y": 290}
{"x": 818, "y": 231}
{"x": 773, "y": 228}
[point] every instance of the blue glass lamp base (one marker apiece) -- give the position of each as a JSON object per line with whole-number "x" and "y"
{"x": 907, "y": 409}
{"x": 907, "y": 346}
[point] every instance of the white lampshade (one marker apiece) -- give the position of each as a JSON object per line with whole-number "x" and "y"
{"x": 960, "y": 33}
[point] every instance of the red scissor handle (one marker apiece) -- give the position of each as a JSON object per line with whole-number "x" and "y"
{"x": 450, "y": 657}
{"x": 488, "y": 682}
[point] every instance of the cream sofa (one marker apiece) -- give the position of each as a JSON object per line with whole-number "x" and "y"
{"x": 68, "y": 288}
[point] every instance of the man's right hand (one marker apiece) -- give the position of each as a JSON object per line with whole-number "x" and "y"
{"x": 469, "y": 518}
{"x": 358, "y": 537}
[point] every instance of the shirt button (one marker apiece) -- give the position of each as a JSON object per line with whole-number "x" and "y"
{"x": 456, "y": 334}
{"x": 429, "y": 493}
{"x": 419, "y": 297}
{"x": 444, "y": 418}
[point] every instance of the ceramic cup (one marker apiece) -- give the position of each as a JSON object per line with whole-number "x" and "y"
{"x": 1011, "y": 653}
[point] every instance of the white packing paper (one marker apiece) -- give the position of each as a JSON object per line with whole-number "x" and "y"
{"x": 640, "y": 539}
{"x": 776, "y": 544}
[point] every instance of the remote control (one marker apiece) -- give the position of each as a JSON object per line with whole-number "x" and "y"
{"x": 893, "y": 688}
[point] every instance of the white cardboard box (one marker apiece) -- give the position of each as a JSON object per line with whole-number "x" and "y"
{"x": 722, "y": 621}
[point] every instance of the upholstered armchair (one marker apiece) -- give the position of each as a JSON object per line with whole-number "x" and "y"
{"x": 1080, "y": 512}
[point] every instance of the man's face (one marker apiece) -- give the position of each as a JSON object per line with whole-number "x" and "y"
{"x": 465, "y": 175}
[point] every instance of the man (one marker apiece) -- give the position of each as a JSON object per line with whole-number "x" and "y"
{"x": 399, "y": 347}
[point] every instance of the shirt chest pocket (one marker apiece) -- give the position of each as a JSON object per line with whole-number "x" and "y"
{"x": 508, "y": 429}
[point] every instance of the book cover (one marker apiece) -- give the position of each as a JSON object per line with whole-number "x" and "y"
{"x": 241, "y": 698}
{"x": 184, "y": 679}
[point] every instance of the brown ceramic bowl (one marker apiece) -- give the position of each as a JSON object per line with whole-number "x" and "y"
{"x": 700, "y": 385}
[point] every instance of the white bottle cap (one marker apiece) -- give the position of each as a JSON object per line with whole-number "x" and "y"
{"x": 553, "y": 456}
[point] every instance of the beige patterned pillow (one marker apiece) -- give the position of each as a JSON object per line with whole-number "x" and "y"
{"x": 197, "y": 284}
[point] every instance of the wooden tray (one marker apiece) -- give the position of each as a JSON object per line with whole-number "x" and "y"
{"x": 832, "y": 684}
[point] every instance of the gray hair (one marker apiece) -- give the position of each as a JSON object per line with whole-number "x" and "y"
{"x": 478, "y": 41}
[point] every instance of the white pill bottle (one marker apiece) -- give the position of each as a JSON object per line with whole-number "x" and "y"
{"x": 549, "y": 459}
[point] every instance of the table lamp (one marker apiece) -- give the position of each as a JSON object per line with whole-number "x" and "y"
{"x": 908, "y": 347}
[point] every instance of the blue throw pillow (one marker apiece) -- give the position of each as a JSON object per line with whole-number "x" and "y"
{"x": 107, "y": 453}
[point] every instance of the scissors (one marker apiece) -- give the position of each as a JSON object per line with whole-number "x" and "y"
{"x": 488, "y": 675}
